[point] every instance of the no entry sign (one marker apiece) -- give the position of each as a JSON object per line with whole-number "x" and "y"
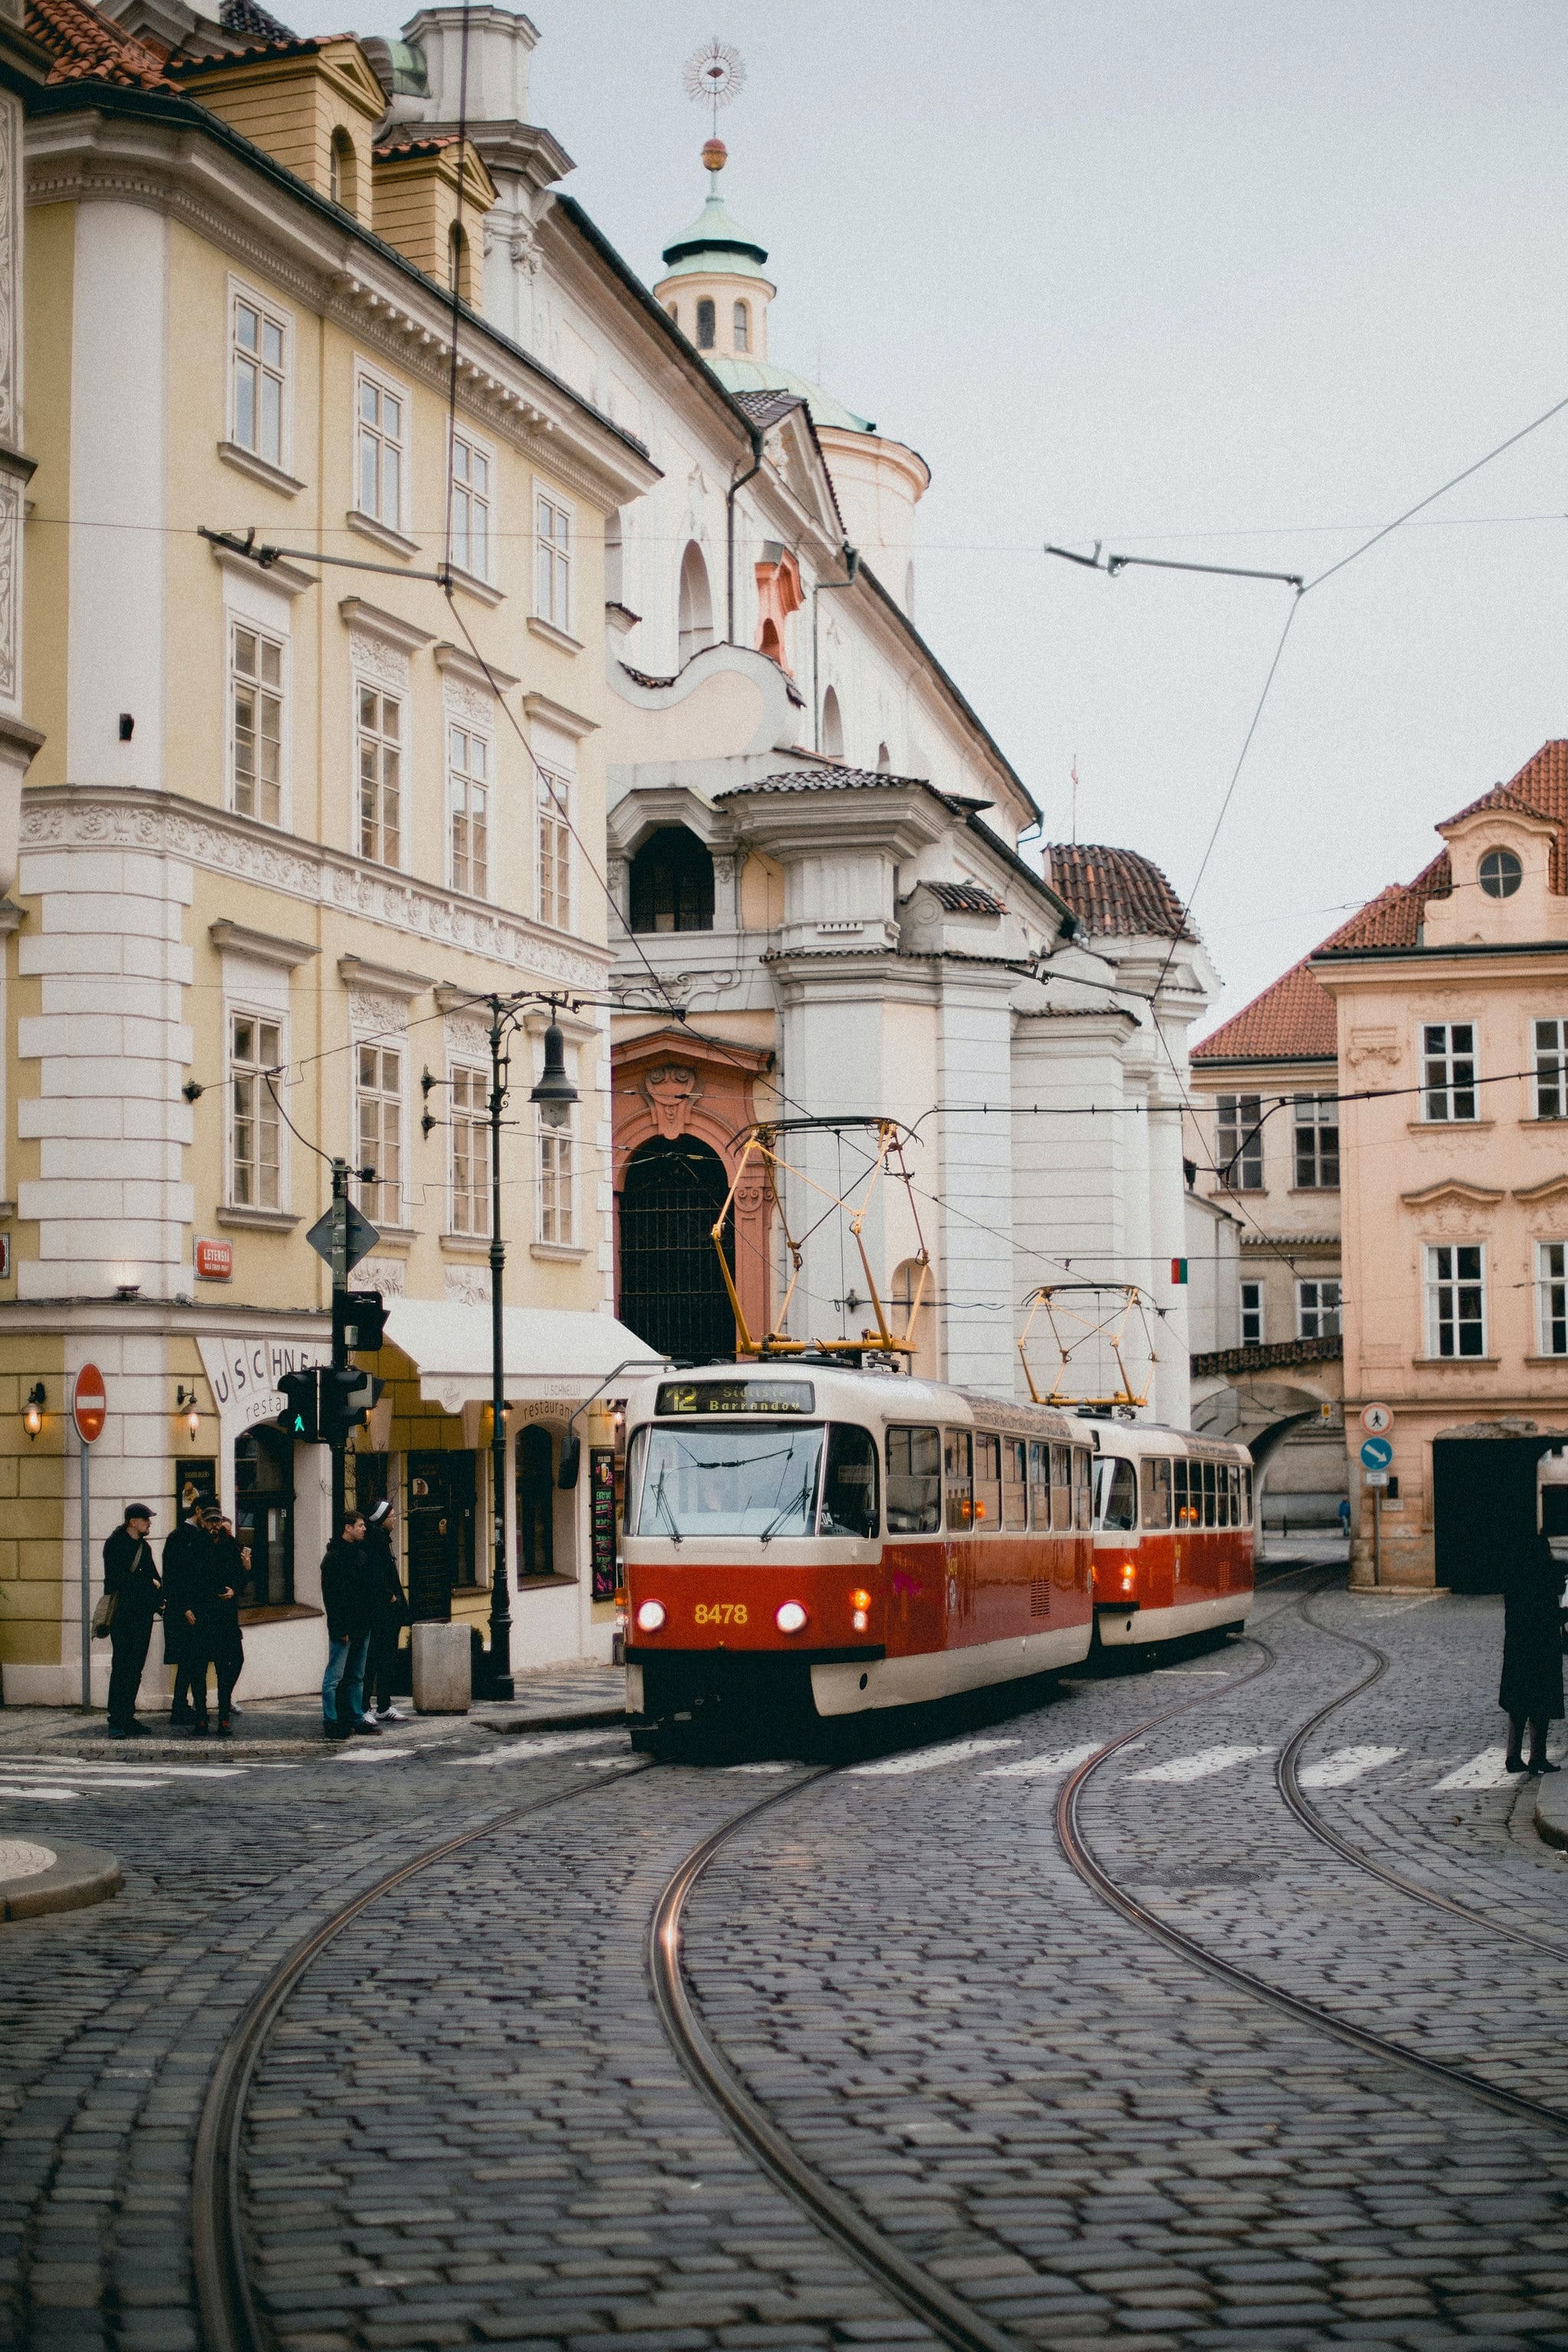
{"x": 89, "y": 1403}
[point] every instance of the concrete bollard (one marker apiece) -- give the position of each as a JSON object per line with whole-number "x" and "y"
{"x": 443, "y": 1679}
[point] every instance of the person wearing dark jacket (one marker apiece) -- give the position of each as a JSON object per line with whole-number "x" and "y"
{"x": 389, "y": 1611}
{"x": 194, "y": 1594}
{"x": 227, "y": 1641}
{"x": 186, "y": 1560}
{"x": 346, "y": 1598}
{"x": 130, "y": 1579}
{"x": 1531, "y": 1688}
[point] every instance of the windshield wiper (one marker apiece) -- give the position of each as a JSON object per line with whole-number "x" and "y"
{"x": 660, "y": 1504}
{"x": 793, "y": 1503}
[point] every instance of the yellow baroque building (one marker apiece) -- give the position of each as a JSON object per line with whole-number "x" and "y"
{"x": 295, "y": 817}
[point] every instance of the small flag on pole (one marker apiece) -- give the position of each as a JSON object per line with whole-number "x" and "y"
{"x": 1178, "y": 1269}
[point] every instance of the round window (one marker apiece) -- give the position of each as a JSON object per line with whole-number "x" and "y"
{"x": 1501, "y": 873}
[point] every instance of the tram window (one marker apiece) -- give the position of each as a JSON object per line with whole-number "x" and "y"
{"x": 958, "y": 1476}
{"x": 914, "y": 1482}
{"x": 849, "y": 1488}
{"x": 1039, "y": 1485}
{"x": 1245, "y": 1496}
{"x": 1156, "y": 1492}
{"x": 1015, "y": 1485}
{"x": 1117, "y": 1490}
{"x": 1233, "y": 1474}
{"x": 987, "y": 1483}
{"x": 1083, "y": 1487}
{"x": 1179, "y": 1490}
{"x": 1061, "y": 1488}
{"x": 1207, "y": 1471}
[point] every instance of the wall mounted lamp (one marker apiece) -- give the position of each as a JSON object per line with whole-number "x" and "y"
{"x": 33, "y": 1416}
{"x": 185, "y": 1402}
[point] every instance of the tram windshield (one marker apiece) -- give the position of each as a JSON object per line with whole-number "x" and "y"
{"x": 1115, "y": 1493}
{"x": 752, "y": 1480}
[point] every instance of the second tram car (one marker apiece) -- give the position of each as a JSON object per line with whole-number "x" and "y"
{"x": 1172, "y": 1534}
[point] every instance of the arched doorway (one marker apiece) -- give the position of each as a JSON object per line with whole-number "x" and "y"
{"x": 672, "y": 1292}
{"x": 535, "y": 1504}
{"x": 696, "y": 604}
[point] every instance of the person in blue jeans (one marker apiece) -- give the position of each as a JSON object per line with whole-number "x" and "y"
{"x": 347, "y": 1599}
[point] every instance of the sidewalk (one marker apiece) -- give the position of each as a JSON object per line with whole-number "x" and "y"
{"x": 552, "y": 1699}
{"x": 1317, "y": 1547}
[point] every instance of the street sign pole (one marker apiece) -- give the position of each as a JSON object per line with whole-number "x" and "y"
{"x": 340, "y": 1329}
{"x": 86, "y": 1572}
{"x": 1377, "y": 1535}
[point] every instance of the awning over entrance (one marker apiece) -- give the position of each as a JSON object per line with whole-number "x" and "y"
{"x": 552, "y": 1353}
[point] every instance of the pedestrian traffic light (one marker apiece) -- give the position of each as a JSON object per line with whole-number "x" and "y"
{"x": 301, "y": 1416}
{"x": 347, "y": 1396}
{"x": 364, "y": 1320}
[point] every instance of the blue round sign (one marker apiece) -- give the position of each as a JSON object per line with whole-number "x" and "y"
{"x": 1376, "y": 1454}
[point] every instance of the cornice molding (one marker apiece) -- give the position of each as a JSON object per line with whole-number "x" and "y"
{"x": 165, "y": 825}
{"x": 384, "y": 978}
{"x": 261, "y": 947}
{"x": 458, "y": 663}
{"x": 1453, "y": 1187}
{"x": 390, "y": 627}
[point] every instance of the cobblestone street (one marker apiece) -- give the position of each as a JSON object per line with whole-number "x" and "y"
{"x": 465, "y": 2124}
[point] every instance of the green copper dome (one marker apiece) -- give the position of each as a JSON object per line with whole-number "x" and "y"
{"x": 715, "y": 243}
{"x": 739, "y": 375}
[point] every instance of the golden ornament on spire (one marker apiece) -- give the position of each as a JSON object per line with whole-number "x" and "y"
{"x": 715, "y": 154}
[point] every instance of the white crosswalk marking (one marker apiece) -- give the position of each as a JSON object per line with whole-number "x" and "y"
{"x": 42, "y": 1791}
{"x": 1483, "y": 1771}
{"x": 116, "y": 1776}
{"x": 1199, "y": 1766}
{"x": 1346, "y": 1764}
{"x": 926, "y": 1759}
{"x": 756, "y": 1767}
{"x": 1041, "y": 1768}
{"x": 520, "y": 1749}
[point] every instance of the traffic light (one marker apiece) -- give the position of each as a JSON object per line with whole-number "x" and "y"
{"x": 364, "y": 1321}
{"x": 301, "y": 1413}
{"x": 347, "y": 1396}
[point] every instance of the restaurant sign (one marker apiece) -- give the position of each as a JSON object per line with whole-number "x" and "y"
{"x": 244, "y": 1375}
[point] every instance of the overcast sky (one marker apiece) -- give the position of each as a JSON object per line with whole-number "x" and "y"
{"x": 1212, "y": 282}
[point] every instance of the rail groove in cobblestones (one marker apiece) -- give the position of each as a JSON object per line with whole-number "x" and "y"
{"x": 1081, "y": 1858}
{"x": 231, "y": 2318}
{"x": 1307, "y": 1813}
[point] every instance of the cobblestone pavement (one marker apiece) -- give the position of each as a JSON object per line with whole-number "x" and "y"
{"x": 466, "y": 2127}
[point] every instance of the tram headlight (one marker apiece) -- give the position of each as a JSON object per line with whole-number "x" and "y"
{"x": 650, "y": 1616}
{"x": 859, "y": 1621}
{"x": 789, "y": 1616}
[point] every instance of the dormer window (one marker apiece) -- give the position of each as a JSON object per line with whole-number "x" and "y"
{"x": 707, "y": 325}
{"x": 1501, "y": 873}
{"x": 742, "y": 328}
{"x": 342, "y": 180}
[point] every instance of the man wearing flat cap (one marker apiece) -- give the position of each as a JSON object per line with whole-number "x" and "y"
{"x": 131, "y": 1580}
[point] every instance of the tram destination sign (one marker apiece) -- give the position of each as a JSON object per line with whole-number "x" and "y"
{"x": 734, "y": 1396}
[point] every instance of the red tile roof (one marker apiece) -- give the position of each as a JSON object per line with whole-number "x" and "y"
{"x": 1292, "y": 1018}
{"x": 1115, "y": 893}
{"x": 87, "y": 46}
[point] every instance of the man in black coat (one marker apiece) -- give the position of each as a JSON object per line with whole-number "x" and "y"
{"x": 389, "y": 1610}
{"x": 346, "y": 1598}
{"x": 130, "y": 1578}
{"x": 187, "y": 1563}
{"x": 227, "y": 1641}
{"x": 196, "y": 1591}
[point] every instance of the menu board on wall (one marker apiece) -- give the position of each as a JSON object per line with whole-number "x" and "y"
{"x": 602, "y": 1519}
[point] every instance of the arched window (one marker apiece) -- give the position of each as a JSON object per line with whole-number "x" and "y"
{"x": 695, "y": 611}
{"x": 910, "y": 589}
{"x": 742, "y": 327}
{"x": 884, "y": 760}
{"x": 769, "y": 641}
{"x": 671, "y": 1291}
{"x": 707, "y": 325}
{"x": 614, "y": 559}
{"x": 535, "y": 1504}
{"x": 343, "y": 178}
{"x": 672, "y": 883}
{"x": 674, "y": 313}
{"x": 457, "y": 259}
{"x": 832, "y": 726}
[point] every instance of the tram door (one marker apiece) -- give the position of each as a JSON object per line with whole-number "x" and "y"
{"x": 441, "y": 1510}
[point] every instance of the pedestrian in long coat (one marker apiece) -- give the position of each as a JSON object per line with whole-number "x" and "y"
{"x": 130, "y": 1580}
{"x": 389, "y": 1611}
{"x": 228, "y": 1640}
{"x": 1530, "y": 1692}
{"x": 187, "y": 1552}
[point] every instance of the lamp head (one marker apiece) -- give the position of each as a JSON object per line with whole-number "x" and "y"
{"x": 555, "y": 1093}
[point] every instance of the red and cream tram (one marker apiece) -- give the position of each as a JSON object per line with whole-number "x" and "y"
{"x": 1172, "y": 1534}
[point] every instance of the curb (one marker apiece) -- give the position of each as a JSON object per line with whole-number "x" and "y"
{"x": 1551, "y": 1811}
{"x": 153, "y": 1750}
{"x": 79, "y": 1874}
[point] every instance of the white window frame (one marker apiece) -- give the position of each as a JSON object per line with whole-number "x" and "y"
{"x": 363, "y": 684}
{"x": 474, "y": 1077}
{"x": 1442, "y": 1063}
{"x": 372, "y": 1197}
{"x": 237, "y": 1009}
{"x": 551, "y": 1144}
{"x": 554, "y": 560}
{"x": 459, "y": 489}
{"x": 1325, "y": 1313}
{"x": 463, "y": 778}
{"x": 1552, "y": 1297}
{"x": 235, "y": 622}
{"x": 1314, "y": 1116}
{"x": 1443, "y": 1279}
{"x": 1550, "y": 1055}
{"x": 1247, "y": 1126}
{"x": 272, "y": 314}
{"x": 388, "y": 388}
{"x": 553, "y": 808}
{"x": 1252, "y": 1306}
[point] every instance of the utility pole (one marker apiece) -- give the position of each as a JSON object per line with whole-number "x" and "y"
{"x": 340, "y": 1328}
{"x": 501, "y": 1016}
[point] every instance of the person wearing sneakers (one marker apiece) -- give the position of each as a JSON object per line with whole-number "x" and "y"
{"x": 389, "y": 1611}
{"x": 346, "y": 1598}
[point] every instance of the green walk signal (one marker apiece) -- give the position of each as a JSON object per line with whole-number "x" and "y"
{"x": 301, "y": 1416}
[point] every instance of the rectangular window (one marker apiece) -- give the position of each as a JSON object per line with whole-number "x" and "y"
{"x": 1551, "y": 1069}
{"x": 1156, "y": 1492}
{"x": 379, "y": 732}
{"x": 557, "y": 1175}
{"x": 1252, "y": 1313}
{"x": 1317, "y": 1143}
{"x": 255, "y": 1139}
{"x": 553, "y": 540}
{"x": 467, "y": 1109}
{"x": 256, "y": 723}
{"x": 1448, "y": 1070}
{"x": 467, "y": 797}
{"x": 257, "y": 360}
{"x": 470, "y": 508}
{"x": 914, "y": 1482}
{"x": 1083, "y": 1488}
{"x": 1181, "y": 1489}
{"x": 1015, "y": 1483}
{"x": 1551, "y": 1284}
{"x": 1456, "y": 1298}
{"x": 1061, "y": 1489}
{"x": 1317, "y": 1310}
{"x": 987, "y": 1483}
{"x": 958, "y": 1478}
{"x": 1207, "y": 1472}
{"x": 1238, "y": 1143}
{"x": 383, "y": 452}
{"x": 1039, "y": 1486}
{"x": 378, "y": 1075}
{"x": 554, "y": 854}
